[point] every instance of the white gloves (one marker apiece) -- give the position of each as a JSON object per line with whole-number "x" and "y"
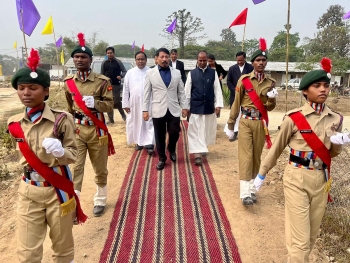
{"x": 89, "y": 101}
{"x": 229, "y": 133}
{"x": 53, "y": 146}
{"x": 272, "y": 94}
{"x": 340, "y": 138}
{"x": 259, "y": 181}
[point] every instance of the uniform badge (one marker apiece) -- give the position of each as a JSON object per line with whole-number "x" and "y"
{"x": 237, "y": 88}
{"x": 334, "y": 128}
{"x": 110, "y": 88}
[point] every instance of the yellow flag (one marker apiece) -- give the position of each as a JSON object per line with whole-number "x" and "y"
{"x": 62, "y": 57}
{"x": 15, "y": 45}
{"x": 48, "y": 29}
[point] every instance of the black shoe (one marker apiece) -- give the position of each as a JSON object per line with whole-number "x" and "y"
{"x": 198, "y": 161}
{"x": 111, "y": 121}
{"x": 124, "y": 117}
{"x": 160, "y": 165}
{"x": 98, "y": 210}
{"x": 150, "y": 151}
{"x": 254, "y": 198}
{"x": 173, "y": 157}
{"x": 247, "y": 201}
{"x": 234, "y": 137}
{"x": 138, "y": 147}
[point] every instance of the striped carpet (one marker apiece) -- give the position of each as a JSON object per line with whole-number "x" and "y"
{"x": 174, "y": 215}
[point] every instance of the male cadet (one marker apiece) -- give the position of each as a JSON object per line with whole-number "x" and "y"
{"x": 234, "y": 73}
{"x": 89, "y": 95}
{"x": 114, "y": 69}
{"x": 255, "y": 94}
{"x": 177, "y": 64}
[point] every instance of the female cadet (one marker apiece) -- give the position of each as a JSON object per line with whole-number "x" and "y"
{"x": 313, "y": 134}
{"x": 45, "y": 140}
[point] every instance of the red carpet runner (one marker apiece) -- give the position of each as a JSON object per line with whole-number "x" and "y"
{"x": 174, "y": 215}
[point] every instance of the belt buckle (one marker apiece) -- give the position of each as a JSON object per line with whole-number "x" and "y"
{"x": 317, "y": 164}
{"x": 254, "y": 114}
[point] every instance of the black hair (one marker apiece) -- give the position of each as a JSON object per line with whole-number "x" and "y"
{"x": 162, "y": 49}
{"x": 173, "y": 50}
{"x": 110, "y": 48}
{"x": 211, "y": 56}
{"x": 241, "y": 53}
{"x": 140, "y": 52}
{"x": 202, "y": 51}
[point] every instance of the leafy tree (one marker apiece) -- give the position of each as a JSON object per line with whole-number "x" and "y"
{"x": 100, "y": 48}
{"x": 8, "y": 63}
{"x": 227, "y": 35}
{"x": 48, "y": 54}
{"x": 279, "y": 47}
{"x": 250, "y": 45}
{"x": 186, "y": 29}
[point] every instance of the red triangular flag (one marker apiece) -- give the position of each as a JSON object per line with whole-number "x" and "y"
{"x": 241, "y": 19}
{"x": 143, "y": 48}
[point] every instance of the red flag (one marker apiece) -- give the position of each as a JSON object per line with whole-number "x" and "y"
{"x": 241, "y": 19}
{"x": 143, "y": 48}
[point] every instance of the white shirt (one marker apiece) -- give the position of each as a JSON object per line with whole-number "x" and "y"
{"x": 174, "y": 63}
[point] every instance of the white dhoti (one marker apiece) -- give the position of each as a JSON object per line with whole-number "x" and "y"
{"x": 201, "y": 132}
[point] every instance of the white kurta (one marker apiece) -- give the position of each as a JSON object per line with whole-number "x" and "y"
{"x": 138, "y": 131}
{"x": 202, "y": 127}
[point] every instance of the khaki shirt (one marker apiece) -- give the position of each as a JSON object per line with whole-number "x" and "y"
{"x": 96, "y": 85}
{"x": 242, "y": 98}
{"x": 36, "y": 133}
{"x": 324, "y": 125}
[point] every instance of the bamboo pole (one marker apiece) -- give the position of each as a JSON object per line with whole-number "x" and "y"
{"x": 24, "y": 35}
{"x": 243, "y": 36}
{"x": 287, "y": 55}
{"x": 57, "y": 57}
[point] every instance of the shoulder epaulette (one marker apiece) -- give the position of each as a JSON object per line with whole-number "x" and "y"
{"x": 69, "y": 77}
{"x": 100, "y": 76}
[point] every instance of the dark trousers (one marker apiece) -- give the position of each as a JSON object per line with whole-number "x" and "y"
{"x": 117, "y": 99}
{"x": 161, "y": 126}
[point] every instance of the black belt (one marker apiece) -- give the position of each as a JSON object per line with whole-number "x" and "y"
{"x": 78, "y": 115}
{"x": 304, "y": 161}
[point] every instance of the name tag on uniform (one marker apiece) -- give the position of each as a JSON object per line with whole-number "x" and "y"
{"x": 305, "y": 131}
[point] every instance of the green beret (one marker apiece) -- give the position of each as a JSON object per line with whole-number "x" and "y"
{"x": 258, "y": 53}
{"x": 313, "y": 76}
{"x": 27, "y": 76}
{"x": 80, "y": 49}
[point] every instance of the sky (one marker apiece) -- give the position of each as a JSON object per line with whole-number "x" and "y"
{"x": 122, "y": 22}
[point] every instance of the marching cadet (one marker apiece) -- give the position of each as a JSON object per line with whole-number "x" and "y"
{"x": 89, "y": 95}
{"x": 255, "y": 95}
{"x": 46, "y": 145}
{"x": 313, "y": 134}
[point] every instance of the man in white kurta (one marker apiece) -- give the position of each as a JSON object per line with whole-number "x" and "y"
{"x": 138, "y": 131}
{"x": 204, "y": 96}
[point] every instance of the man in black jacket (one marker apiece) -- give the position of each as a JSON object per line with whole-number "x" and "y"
{"x": 177, "y": 64}
{"x": 234, "y": 73}
{"x": 115, "y": 70}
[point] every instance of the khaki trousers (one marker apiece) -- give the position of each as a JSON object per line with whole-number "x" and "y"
{"x": 251, "y": 139}
{"x": 305, "y": 203}
{"x": 38, "y": 207}
{"x": 87, "y": 141}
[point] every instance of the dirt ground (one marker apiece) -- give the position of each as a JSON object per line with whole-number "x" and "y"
{"x": 258, "y": 230}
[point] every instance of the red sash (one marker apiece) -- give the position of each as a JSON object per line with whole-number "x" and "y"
{"x": 79, "y": 101}
{"x": 248, "y": 85}
{"x": 46, "y": 172}
{"x": 315, "y": 144}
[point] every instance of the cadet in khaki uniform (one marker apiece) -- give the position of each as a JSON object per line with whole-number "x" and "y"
{"x": 96, "y": 91}
{"x": 306, "y": 179}
{"x": 40, "y": 204}
{"x": 252, "y": 129}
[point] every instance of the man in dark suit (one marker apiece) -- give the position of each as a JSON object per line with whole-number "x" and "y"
{"x": 234, "y": 73}
{"x": 177, "y": 64}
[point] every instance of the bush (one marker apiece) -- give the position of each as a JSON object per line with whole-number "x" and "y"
{"x": 226, "y": 95}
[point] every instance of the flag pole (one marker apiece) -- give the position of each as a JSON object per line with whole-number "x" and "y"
{"x": 24, "y": 35}
{"x": 57, "y": 57}
{"x": 287, "y": 54}
{"x": 243, "y": 36}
